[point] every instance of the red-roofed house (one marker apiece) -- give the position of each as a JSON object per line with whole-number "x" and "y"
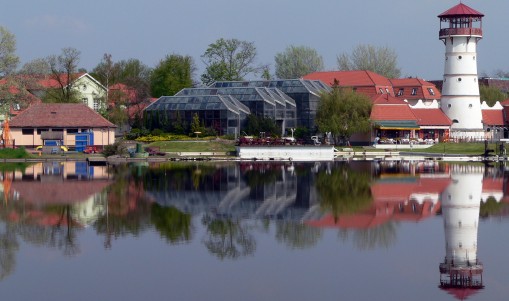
{"x": 63, "y": 123}
{"x": 415, "y": 89}
{"x": 365, "y": 82}
{"x": 393, "y": 120}
{"x": 433, "y": 124}
{"x": 91, "y": 92}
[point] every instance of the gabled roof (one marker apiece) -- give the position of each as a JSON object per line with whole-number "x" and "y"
{"x": 422, "y": 91}
{"x": 50, "y": 82}
{"x": 493, "y": 117}
{"x": 386, "y": 99}
{"x": 390, "y": 108}
{"x": 356, "y": 78}
{"x": 460, "y": 10}
{"x": 431, "y": 117}
{"x": 60, "y": 115}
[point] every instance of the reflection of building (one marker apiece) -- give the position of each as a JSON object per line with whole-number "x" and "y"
{"x": 461, "y": 271}
{"x": 248, "y": 190}
{"x": 59, "y": 182}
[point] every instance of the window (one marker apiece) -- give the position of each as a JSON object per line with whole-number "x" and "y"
{"x": 16, "y": 107}
{"x": 431, "y": 91}
{"x": 400, "y": 92}
{"x": 414, "y": 91}
{"x": 449, "y": 105}
{"x": 27, "y": 131}
{"x": 96, "y": 104}
{"x": 460, "y": 57}
{"x": 72, "y": 131}
{"x": 459, "y": 79}
{"x": 381, "y": 91}
{"x": 387, "y": 90}
{"x": 470, "y": 105}
{"x": 84, "y": 100}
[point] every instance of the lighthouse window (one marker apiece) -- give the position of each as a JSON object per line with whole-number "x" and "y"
{"x": 459, "y": 79}
{"x": 475, "y": 79}
{"x": 474, "y": 57}
{"x": 460, "y": 57}
{"x": 449, "y": 105}
{"x": 470, "y": 105}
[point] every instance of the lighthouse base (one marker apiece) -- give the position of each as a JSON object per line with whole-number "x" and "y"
{"x": 465, "y": 135}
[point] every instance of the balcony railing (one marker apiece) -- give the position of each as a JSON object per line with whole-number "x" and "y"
{"x": 461, "y": 32}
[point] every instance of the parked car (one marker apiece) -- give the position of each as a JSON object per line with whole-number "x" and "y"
{"x": 91, "y": 149}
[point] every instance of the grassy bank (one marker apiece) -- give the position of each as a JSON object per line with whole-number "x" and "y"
{"x": 444, "y": 148}
{"x": 16, "y": 153}
{"x": 195, "y": 146}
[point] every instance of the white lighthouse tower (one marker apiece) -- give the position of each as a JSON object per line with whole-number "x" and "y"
{"x": 460, "y": 30}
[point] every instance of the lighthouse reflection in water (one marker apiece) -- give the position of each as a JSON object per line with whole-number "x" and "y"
{"x": 461, "y": 268}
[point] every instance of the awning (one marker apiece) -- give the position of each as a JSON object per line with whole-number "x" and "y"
{"x": 396, "y": 125}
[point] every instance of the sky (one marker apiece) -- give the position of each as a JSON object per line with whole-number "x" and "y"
{"x": 150, "y": 30}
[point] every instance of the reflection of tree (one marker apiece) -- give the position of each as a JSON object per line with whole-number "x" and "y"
{"x": 382, "y": 236}
{"x": 171, "y": 223}
{"x": 228, "y": 238}
{"x": 490, "y": 207}
{"x": 62, "y": 234}
{"x": 297, "y": 235}
{"x": 344, "y": 190}
{"x": 127, "y": 207}
{"x": 8, "y": 248}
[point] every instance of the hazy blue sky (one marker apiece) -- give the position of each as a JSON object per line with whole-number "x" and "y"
{"x": 149, "y": 30}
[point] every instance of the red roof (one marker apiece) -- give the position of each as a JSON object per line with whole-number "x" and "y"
{"x": 505, "y": 102}
{"x": 350, "y": 78}
{"x": 60, "y": 115}
{"x": 431, "y": 117}
{"x": 53, "y": 82}
{"x": 460, "y": 10}
{"x": 391, "y": 108}
{"x": 493, "y": 117}
{"x": 403, "y": 87}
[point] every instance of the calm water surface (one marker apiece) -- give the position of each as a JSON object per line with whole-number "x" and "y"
{"x": 254, "y": 231}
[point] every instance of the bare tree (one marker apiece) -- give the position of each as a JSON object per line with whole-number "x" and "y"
{"x": 297, "y": 61}
{"x": 381, "y": 60}
{"x": 63, "y": 70}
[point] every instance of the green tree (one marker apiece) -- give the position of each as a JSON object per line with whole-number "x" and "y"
{"x": 171, "y": 75}
{"x": 229, "y": 60}
{"x": 343, "y": 112}
{"x": 8, "y": 58}
{"x": 256, "y": 124}
{"x": 297, "y": 61}
{"x": 491, "y": 94}
{"x": 196, "y": 125}
{"x": 10, "y": 88}
{"x": 381, "y": 60}
{"x": 63, "y": 70}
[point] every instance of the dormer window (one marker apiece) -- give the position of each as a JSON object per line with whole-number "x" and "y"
{"x": 400, "y": 92}
{"x": 387, "y": 90}
{"x": 430, "y": 90}
{"x": 414, "y": 91}
{"x": 381, "y": 91}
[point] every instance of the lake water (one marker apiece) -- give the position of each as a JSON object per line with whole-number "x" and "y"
{"x": 254, "y": 231}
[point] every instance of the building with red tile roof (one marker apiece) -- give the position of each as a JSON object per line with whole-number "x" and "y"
{"x": 362, "y": 81}
{"x": 62, "y": 122}
{"x": 415, "y": 89}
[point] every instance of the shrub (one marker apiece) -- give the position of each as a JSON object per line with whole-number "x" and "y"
{"x": 117, "y": 148}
